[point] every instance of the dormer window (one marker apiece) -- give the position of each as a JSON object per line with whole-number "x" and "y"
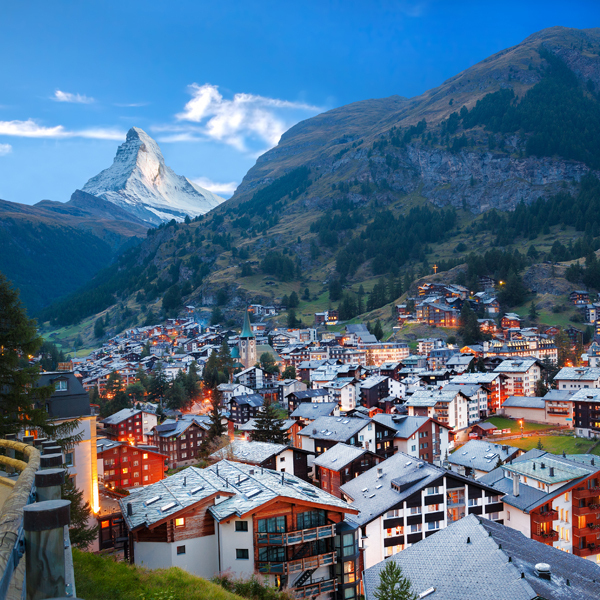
{"x": 60, "y": 385}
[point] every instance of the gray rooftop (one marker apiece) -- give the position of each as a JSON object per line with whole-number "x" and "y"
{"x": 403, "y": 424}
{"x": 339, "y": 456}
{"x": 578, "y": 374}
{"x": 586, "y": 395}
{"x": 525, "y": 402}
{"x": 314, "y": 410}
{"x": 372, "y": 492}
{"x": 338, "y": 429}
{"x": 121, "y": 416}
{"x": 477, "y": 559}
{"x": 516, "y": 365}
{"x": 249, "y": 452}
{"x": 481, "y": 455}
{"x": 431, "y": 397}
{"x": 245, "y": 487}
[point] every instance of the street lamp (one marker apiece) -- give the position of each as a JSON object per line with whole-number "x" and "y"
{"x": 521, "y": 424}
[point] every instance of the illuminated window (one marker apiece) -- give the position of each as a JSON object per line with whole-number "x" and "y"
{"x": 180, "y": 522}
{"x": 125, "y": 471}
{"x": 145, "y": 456}
{"x": 105, "y": 524}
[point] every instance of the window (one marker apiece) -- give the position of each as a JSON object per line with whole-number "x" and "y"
{"x": 144, "y": 456}
{"x": 135, "y": 463}
{"x": 272, "y": 525}
{"x": 415, "y": 528}
{"x": 60, "y": 385}
{"x": 181, "y": 550}
{"x": 413, "y": 448}
{"x": 69, "y": 459}
{"x": 433, "y": 508}
{"x": 433, "y": 525}
{"x": 433, "y": 490}
{"x": 180, "y": 522}
{"x": 145, "y": 467}
{"x": 136, "y": 474}
{"x": 105, "y": 524}
{"x": 455, "y": 497}
{"x": 313, "y": 518}
{"x": 350, "y": 545}
{"x": 243, "y": 554}
{"x": 145, "y": 477}
{"x": 271, "y": 554}
{"x": 415, "y": 510}
{"x": 473, "y": 501}
{"x": 241, "y": 525}
{"x": 125, "y": 471}
{"x": 349, "y": 571}
{"x": 391, "y": 514}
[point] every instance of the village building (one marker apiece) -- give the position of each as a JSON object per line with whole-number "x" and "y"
{"x": 244, "y": 519}
{"x": 577, "y": 378}
{"x": 586, "y": 404}
{"x": 130, "y": 425}
{"x": 479, "y": 457}
{"x": 121, "y": 465}
{"x": 245, "y": 407}
{"x": 180, "y": 440}
{"x": 340, "y": 464}
{"x": 476, "y": 556}
{"x": 247, "y": 344}
{"x": 552, "y": 499}
{"x": 522, "y": 375}
{"x": 448, "y": 407}
{"x": 403, "y": 500}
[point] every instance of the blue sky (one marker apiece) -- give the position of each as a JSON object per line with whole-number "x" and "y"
{"x": 216, "y": 83}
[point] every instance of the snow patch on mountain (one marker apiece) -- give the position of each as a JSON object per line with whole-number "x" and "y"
{"x": 139, "y": 182}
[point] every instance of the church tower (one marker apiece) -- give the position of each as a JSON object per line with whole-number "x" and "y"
{"x": 247, "y": 344}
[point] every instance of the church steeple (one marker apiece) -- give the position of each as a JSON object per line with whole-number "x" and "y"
{"x": 247, "y": 344}
{"x": 246, "y": 329}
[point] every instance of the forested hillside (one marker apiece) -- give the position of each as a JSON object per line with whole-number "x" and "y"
{"x": 494, "y": 169}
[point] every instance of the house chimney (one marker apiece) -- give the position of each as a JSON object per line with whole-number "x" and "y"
{"x": 129, "y": 509}
{"x": 184, "y": 481}
{"x": 551, "y": 471}
{"x": 515, "y": 484}
{"x": 593, "y": 462}
{"x": 282, "y": 478}
{"x": 543, "y": 466}
{"x": 379, "y": 472}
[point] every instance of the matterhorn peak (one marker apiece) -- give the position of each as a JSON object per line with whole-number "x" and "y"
{"x": 141, "y": 183}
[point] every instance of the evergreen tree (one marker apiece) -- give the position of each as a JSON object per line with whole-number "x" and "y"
{"x": 80, "y": 532}
{"x": 217, "y": 429}
{"x": 268, "y": 363}
{"x": 378, "y": 330}
{"x": 157, "y": 386}
{"x": 224, "y": 360}
{"x": 99, "y": 328}
{"x": 289, "y": 372}
{"x": 20, "y": 400}
{"x": 361, "y": 303}
{"x": 210, "y": 368}
{"x": 192, "y": 381}
{"x": 269, "y": 425}
{"x": 469, "y": 329}
{"x": 539, "y": 445}
{"x": 533, "y": 312}
{"x": 393, "y": 585}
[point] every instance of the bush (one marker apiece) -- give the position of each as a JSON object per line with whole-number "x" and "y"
{"x": 250, "y": 588}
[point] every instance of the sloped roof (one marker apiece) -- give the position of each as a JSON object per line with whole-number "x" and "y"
{"x": 525, "y": 402}
{"x": 314, "y": 410}
{"x": 481, "y": 455}
{"x": 249, "y": 452}
{"x": 477, "y": 559}
{"x": 339, "y": 456}
{"x": 338, "y": 429}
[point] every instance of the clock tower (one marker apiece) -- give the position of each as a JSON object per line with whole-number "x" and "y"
{"x": 247, "y": 344}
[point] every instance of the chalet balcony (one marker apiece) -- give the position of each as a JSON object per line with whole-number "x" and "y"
{"x": 296, "y": 537}
{"x": 580, "y": 493}
{"x": 314, "y": 589}
{"x": 590, "y": 509}
{"x": 545, "y": 538}
{"x": 545, "y": 517}
{"x": 589, "y": 551}
{"x": 589, "y": 529}
{"x": 293, "y": 567}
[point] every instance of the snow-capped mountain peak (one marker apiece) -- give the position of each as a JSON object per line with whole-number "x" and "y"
{"x": 139, "y": 182}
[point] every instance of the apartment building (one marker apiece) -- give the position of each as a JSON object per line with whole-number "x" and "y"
{"x": 448, "y": 407}
{"x": 479, "y": 457}
{"x": 404, "y": 500}
{"x": 553, "y": 499}
{"x": 248, "y": 520}
{"x": 180, "y": 440}
{"x": 586, "y": 404}
{"x": 130, "y": 425}
{"x": 123, "y": 466}
{"x": 577, "y": 378}
{"x": 522, "y": 374}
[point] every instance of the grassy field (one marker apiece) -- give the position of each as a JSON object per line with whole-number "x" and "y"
{"x": 503, "y": 423}
{"x": 557, "y": 444}
{"x": 99, "y": 577}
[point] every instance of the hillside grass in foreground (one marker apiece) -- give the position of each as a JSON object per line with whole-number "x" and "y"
{"x": 100, "y": 578}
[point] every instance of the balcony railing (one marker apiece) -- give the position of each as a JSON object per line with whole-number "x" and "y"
{"x": 583, "y": 552}
{"x": 580, "y": 493}
{"x": 589, "y": 529}
{"x": 296, "y": 537}
{"x": 545, "y": 517}
{"x": 545, "y": 537}
{"x": 314, "y": 589}
{"x": 590, "y": 509}
{"x": 292, "y": 567}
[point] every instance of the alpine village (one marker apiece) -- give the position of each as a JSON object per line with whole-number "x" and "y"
{"x": 372, "y": 373}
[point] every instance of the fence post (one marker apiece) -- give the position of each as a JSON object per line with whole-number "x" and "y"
{"x": 51, "y": 450}
{"x": 44, "y": 524}
{"x": 38, "y": 443}
{"x": 28, "y": 439}
{"x": 51, "y": 461}
{"x": 48, "y": 484}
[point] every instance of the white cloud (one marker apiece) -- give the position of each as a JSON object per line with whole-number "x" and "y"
{"x": 31, "y": 129}
{"x": 223, "y": 189}
{"x": 131, "y": 104}
{"x": 5, "y": 149}
{"x": 246, "y": 117}
{"x": 60, "y": 96}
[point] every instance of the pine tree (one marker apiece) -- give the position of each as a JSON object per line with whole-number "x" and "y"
{"x": 80, "y": 532}
{"x": 269, "y": 426}
{"x": 393, "y": 585}
{"x": 539, "y": 445}
{"x": 378, "y": 330}
{"x": 217, "y": 428}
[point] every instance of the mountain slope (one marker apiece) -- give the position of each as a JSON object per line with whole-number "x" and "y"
{"x": 385, "y": 188}
{"x": 140, "y": 183}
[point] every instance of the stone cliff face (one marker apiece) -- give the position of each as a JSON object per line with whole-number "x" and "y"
{"x": 337, "y": 144}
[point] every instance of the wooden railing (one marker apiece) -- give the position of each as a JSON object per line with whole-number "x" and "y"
{"x": 314, "y": 589}
{"x": 545, "y": 517}
{"x": 296, "y": 537}
{"x": 293, "y": 567}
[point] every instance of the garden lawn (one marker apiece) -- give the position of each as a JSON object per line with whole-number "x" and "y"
{"x": 513, "y": 425}
{"x": 100, "y": 578}
{"x": 556, "y": 444}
